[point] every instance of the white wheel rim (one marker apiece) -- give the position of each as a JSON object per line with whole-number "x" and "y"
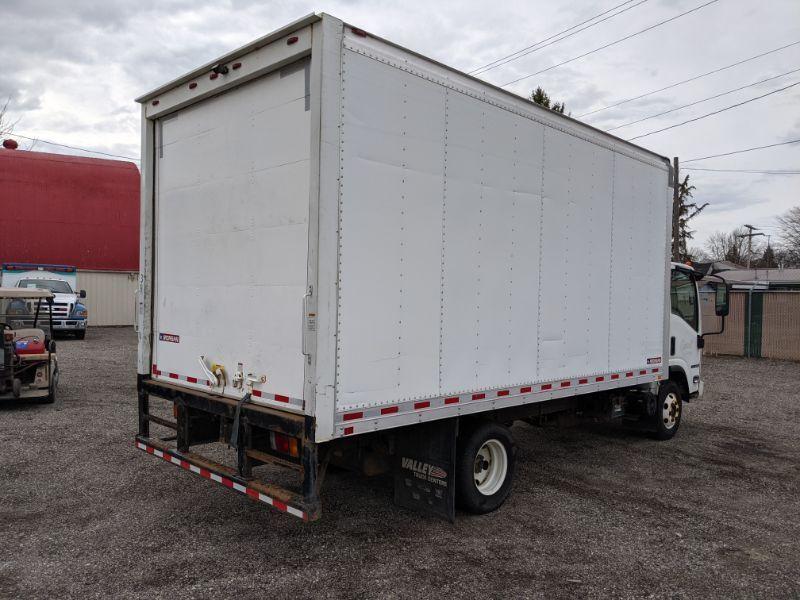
{"x": 491, "y": 467}
{"x": 671, "y": 410}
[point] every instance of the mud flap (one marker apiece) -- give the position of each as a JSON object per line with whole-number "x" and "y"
{"x": 424, "y": 468}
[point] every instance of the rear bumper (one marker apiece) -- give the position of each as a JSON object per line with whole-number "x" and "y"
{"x": 225, "y": 476}
{"x": 203, "y": 418}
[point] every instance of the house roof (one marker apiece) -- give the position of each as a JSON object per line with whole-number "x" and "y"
{"x": 762, "y": 276}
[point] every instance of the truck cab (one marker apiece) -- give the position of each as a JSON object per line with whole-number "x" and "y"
{"x": 69, "y": 311}
{"x": 686, "y": 328}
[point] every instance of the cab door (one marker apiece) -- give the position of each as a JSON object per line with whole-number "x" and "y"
{"x": 685, "y": 327}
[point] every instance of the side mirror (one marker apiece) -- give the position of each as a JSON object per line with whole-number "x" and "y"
{"x": 82, "y": 294}
{"x": 721, "y": 305}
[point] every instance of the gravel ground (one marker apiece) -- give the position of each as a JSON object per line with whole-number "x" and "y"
{"x": 595, "y": 512}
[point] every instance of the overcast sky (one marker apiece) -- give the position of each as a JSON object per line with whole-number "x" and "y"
{"x": 73, "y": 68}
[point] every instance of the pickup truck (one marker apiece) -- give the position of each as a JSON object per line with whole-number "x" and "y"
{"x": 68, "y": 309}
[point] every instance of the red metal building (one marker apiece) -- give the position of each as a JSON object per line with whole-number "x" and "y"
{"x": 77, "y": 211}
{"x": 69, "y": 210}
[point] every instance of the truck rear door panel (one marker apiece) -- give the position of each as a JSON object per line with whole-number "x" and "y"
{"x": 231, "y": 236}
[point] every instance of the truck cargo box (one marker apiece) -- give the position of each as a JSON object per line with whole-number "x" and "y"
{"x": 379, "y": 240}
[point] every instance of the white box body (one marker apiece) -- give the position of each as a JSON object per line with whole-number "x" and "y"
{"x": 388, "y": 241}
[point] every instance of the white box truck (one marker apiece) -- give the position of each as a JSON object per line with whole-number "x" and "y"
{"x": 353, "y": 254}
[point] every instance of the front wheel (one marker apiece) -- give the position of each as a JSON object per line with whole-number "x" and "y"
{"x": 80, "y": 334}
{"x": 484, "y": 467}
{"x": 667, "y": 417}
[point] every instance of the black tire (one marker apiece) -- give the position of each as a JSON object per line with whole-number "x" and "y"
{"x": 79, "y": 335}
{"x": 52, "y": 396}
{"x": 669, "y": 410}
{"x": 483, "y": 437}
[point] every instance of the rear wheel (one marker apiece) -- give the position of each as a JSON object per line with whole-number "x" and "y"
{"x": 51, "y": 397}
{"x": 667, "y": 417}
{"x": 484, "y": 467}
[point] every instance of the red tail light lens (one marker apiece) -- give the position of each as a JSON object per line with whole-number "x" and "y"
{"x": 283, "y": 444}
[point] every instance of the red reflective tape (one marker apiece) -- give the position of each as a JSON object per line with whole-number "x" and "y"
{"x": 600, "y": 378}
{"x": 256, "y": 393}
{"x": 149, "y": 449}
{"x": 452, "y": 400}
{"x": 502, "y": 393}
{"x": 227, "y": 482}
{"x": 353, "y": 415}
{"x": 525, "y": 390}
{"x": 251, "y": 492}
{"x": 582, "y": 381}
{"x": 478, "y": 396}
{"x": 643, "y": 372}
{"x": 348, "y": 430}
{"x": 546, "y": 387}
{"x": 279, "y": 505}
{"x": 155, "y": 368}
{"x": 205, "y": 473}
{"x": 615, "y": 376}
{"x": 191, "y": 379}
{"x": 655, "y": 370}
{"x": 629, "y": 374}
{"x": 566, "y": 383}
{"x": 423, "y": 404}
{"x": 389, "y": 410}
{"x": 185, "y": 465}
{"x": 280, "y": 398}
{"x": 174, "y": 376}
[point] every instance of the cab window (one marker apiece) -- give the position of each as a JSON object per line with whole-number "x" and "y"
{"x": 684, "y": 297}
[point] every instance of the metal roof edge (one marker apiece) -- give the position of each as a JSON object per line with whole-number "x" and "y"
{"x": 234, "y": 54}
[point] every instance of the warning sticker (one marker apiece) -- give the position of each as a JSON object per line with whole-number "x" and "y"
{"x": 656, "y": 360}
{"x": 169, "y": 337}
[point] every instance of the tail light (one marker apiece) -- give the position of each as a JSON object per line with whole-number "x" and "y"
{"x": 283, "y": 444}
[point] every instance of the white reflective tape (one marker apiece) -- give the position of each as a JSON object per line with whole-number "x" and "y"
{"x": 294, "y": 511}
{"x": 175, "y": 461}
{"x": 239, "y": 487}
{"x": 141, "y": 446}
{"x": 216, "y": 477}
{"x": 194, "y": 469}
{"x": 158, "y": 453}
{"x": 265, "y": 499}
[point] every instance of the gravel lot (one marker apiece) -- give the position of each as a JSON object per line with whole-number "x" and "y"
{"x": 595, "y": 512}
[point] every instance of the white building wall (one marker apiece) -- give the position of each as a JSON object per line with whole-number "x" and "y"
{"x": 110, "y": 296}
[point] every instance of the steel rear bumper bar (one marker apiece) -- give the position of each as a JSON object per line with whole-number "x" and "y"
{"x": 199, "y": 417}
{"x": 276, "y": 497}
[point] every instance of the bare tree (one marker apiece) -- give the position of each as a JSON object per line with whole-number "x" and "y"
{"x": 789, "y": 226}
{"x": 6, "y": 126}
{"x": 730, "y": 246}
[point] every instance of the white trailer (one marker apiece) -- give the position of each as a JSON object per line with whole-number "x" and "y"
{"x": 351, "y": 252}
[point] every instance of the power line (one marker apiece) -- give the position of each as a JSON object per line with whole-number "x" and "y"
{"x": 695, "y": 78}
{"x": 615, "y": 42}
{"x": 666, "y": 112}
{"x": 541, "y": 44}
{"x": 765, "y": 172}
{"x": 716, "y": 112}
{"x": 742, "y": 151}
{"x": 25, "y": 137}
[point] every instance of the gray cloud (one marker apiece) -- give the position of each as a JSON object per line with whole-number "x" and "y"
{"x": 73, "y": 68}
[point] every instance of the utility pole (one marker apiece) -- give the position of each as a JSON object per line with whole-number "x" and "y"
{"x": 676, "y": 213}
{"x": 749, "y": 237}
